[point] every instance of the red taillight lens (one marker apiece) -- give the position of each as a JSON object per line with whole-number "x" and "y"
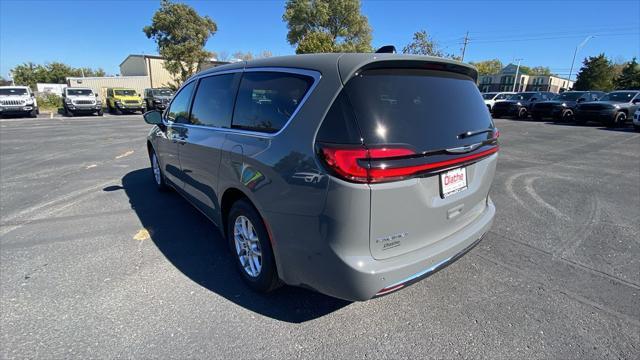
{"x": 345, "y": 162}
{"x": 352, "y": 163}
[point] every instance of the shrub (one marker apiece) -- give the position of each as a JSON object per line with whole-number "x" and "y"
{"x": 48, "y": 100}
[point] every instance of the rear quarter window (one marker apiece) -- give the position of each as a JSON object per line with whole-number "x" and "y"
{"x": 267, "y": 100}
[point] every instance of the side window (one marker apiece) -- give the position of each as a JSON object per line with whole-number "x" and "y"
{"x": 179, "y": 110}
{"x": 266, "y": 100}
{"x": 213, "y": 102}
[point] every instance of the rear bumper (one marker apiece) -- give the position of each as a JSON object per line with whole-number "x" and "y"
{"x": 355, "y": 277}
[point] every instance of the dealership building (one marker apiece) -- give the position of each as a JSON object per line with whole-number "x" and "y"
{"x": 504, "y": 81}
{"x": 137, "y": 72}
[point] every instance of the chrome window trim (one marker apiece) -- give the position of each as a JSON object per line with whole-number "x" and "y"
{"x": 315, "y": 75}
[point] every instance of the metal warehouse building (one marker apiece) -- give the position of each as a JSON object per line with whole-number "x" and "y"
{"x": 137, "y": 72}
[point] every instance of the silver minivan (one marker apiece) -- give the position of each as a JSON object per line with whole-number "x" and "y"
{"x": 352, "y": 174}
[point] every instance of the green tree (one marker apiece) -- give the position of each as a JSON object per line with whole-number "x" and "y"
{"x": 540, "y": 70}
{"x": 54, "y": 73}
{"x": 423, "y": 44}
{"x": 596, "y": 74}
{"x": 488, "y": 67}
{"x": 317, "y": 26}
{"x": 181, "y": 35}
{"x": 629, "y": 78}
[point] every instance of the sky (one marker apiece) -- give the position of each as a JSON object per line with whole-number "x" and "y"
{"x": 100, "y": 34}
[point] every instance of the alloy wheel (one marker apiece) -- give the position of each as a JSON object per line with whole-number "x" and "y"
{"x": 247, "y": 246}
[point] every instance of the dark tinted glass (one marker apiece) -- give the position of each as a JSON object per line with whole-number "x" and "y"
{"x": 213, "y": 102}
{"x": 179, "y": 109}
{"x": 266, "y": 100}
{"x": 423, "y": 109}
{"x": 339, "y": 126}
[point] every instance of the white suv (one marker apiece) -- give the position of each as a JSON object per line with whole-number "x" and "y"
{"x": 493, "y": 97}
{"x": 81, "y": 100}
{"x": 18, "y": 100}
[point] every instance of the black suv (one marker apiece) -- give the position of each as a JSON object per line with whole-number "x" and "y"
{"x": 562, "y": 107}
{"x": 518, "y": 105}
{"x": 157, "y": 98}
{"x": 613, "y": 109}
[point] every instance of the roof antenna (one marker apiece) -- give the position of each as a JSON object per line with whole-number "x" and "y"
{"x": 387, "y": 49}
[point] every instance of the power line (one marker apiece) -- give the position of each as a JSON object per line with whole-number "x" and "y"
{"x": 464, "y": 47}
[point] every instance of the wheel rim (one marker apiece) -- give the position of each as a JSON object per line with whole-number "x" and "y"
{"x": 247, "y": 246}
{"x": 621, "y": 118}
{"x": 156, "y": 169}
{"x": 568, "y": 116}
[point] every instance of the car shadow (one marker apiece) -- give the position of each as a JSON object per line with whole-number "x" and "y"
{"x": 626, "y": 128}
{"x": 195, "y": 247}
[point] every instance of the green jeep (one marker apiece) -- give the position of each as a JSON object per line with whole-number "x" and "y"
{"x": 122, "y": 100}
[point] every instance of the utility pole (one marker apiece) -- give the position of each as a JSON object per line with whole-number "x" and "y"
{"x": 583, "y": 43}
{"x": 515, "y": 80}
{"x": 464, "y": 45}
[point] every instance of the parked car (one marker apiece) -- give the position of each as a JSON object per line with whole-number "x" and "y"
{"x": 493, "y": 97}
{"x": 518, "y": 105}
{"x": 77, "y": 100}
{"x": 636, "y": 120}
{"x": 562, "y": 107}
{"x": 121, "y": 100}
{"x": 354, "y": 197}
{"x": 157, "y": 98}
{"x": 612, "y": 110}
{"x": 18, "y": 100}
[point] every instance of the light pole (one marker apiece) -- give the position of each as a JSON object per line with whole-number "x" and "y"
{"x": 580, "y": 46}
{"x": 515, "y": 80}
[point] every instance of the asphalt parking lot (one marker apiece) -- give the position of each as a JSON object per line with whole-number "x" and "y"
{"x": 95, "y": 263}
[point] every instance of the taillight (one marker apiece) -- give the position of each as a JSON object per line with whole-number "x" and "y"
{"x": 354, "y": 163}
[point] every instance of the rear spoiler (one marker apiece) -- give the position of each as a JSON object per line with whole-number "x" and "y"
{"x": 349, "y": 66}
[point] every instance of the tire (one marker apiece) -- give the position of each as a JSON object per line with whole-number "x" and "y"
{"x": 568, "y": 116}
{"x": 67, "y": 112}
{"x": 109, "y": 108}
{"x": 247, "y": 234}
{"x": 33, "y": 113}
{"x": 636, "y": 127}
{"x": 618, "y": 121}
{"x": 100, "y": 112}
{"x": 522, "y": 114}
{"x": 156, "y": 172}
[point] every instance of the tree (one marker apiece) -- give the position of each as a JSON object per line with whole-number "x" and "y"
{"x": 266, "y": 54}
{"x": 181, "y": 35}
{"x": 596, "y": 74}
{"x": 317, "y": 26}
{"x": 54, "y": 73}
{"x": 423, "y": 44}
{"x": 629, "y": 78}
{"x": 242, "y": 56}
{"x": 488, "y": 67}
{"x": 540, "y": 70}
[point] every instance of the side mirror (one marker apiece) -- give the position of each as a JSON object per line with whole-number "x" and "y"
{"x": 153, "y": 117}
{"x": 636, "y": 101}
{"x": 581, "y": 100}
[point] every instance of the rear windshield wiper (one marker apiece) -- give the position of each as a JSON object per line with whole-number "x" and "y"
{"x": 476, "y": 132}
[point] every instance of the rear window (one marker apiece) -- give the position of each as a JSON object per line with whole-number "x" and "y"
{"x": 423, "y": 109}
{"x": 267, "y": 100}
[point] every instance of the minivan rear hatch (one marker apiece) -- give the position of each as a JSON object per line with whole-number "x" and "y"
{"x": 429, "y": 158}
